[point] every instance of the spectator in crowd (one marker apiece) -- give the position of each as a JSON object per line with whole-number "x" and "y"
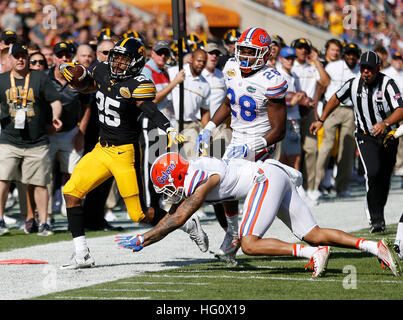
{"x": 277, "y": 44}
{"x": 197, "y": 20}
{"x": 308, "y": 77}
{"x": 24, "y": 144}
{"x": 47, "y": 51}
{"x": 383, "y": 54}
{"x": 229, "y": 39}
{"x": 342, "y": 119}
{"x": 85, "y": 55}
{"x": 290, "y": 153}
{"x": 103, "y": 49}
{"x": 196, "y": 100}
{"x": 37, "y": 61}
{"x": 67, "y": 145}
{"x": 8, "y": 37}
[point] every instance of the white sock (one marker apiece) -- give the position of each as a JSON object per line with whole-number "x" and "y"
{"x": 299, "y": 250}
{"x": 80, "y": 244}
{"x": 367, "y": 246}
{"x": 232, "y": 225}
{"x": 399, "y": 233}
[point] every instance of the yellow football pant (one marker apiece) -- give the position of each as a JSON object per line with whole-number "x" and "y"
{"x": 123, "y": 163}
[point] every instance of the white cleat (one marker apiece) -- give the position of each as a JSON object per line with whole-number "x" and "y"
{"x": 79, "y": 261}
{"x": 197, "y": 234}
{"x": 226, "y": 244}
{"x": 319, "y": 261}
{"x": 388, "y": 257}
{"x": 228, "y": 253}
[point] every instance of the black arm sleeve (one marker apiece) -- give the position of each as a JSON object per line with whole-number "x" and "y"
{"x": 156, "y": 116}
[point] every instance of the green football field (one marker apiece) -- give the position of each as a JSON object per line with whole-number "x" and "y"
{"x": 350, "y": 275}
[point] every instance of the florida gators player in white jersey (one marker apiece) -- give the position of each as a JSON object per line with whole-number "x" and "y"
{"x": 269, "y": 190}
{"x": 256, "y": 103}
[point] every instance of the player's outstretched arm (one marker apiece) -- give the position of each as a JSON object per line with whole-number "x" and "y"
{"x": 184, "y": 211}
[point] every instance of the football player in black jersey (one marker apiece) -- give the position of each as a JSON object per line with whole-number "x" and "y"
{"x": 122, "y": 94}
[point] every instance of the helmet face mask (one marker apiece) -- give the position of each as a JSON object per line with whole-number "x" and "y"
{"x": 252, "y": 50}
{"x": 126, "y": 59}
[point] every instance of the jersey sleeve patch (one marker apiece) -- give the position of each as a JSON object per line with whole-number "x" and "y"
{"x": 277, "y": 91}
{"x": 145, "y": 90}
{"x": 198, "y": 178}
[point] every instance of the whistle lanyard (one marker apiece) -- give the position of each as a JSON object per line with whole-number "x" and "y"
{"x": 14, "y": 94}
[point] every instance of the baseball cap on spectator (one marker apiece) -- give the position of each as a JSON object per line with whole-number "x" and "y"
{"x": 352, "y": 48}
{"x": 8, "y": 36}
{"x": 61, "y": 47}
{"x": 276, "y": 39}
{"x": 211, "y": 47}
{"x": 397, "y": 56}
{"x": 302, "y": 43}
{"x": 18, "y": 47}
{"x": 288, "y": 52}
{"x": 160, "y": 45}
{"x": 370, "y": 59}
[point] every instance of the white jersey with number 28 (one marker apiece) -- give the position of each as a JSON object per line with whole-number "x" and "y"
{"x": 248, "y": 97}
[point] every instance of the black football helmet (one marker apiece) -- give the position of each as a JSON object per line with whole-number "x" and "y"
{"x": 105, "y": 34}
{"x": 134, "y": 34}
{"x": 231, "y": 36}
{"x": 126, "y": 59}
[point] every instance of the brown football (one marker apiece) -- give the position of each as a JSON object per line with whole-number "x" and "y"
{"x": 79, "y": 73}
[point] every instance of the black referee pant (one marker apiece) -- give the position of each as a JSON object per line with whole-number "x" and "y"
{"x": 378, "y": 163}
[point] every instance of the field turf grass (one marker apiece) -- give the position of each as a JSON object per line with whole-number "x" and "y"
{"x": 350, "y": 275}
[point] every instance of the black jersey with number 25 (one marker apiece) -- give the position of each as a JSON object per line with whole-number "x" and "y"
{"x": 118, "y": 113}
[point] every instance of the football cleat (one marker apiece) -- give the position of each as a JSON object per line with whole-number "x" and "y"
{"x": 197, "y": 234}
{"x": 3, "y": 228}
{"x": 226, "y": 246}
{"x": 319, "y": 261}
{"x": 388, "y": 257}
{"x": 227, "y": 252}
{"x": 80, "y": 261}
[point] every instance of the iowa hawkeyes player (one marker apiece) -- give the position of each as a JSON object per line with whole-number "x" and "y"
{"x": 122, "y": 94}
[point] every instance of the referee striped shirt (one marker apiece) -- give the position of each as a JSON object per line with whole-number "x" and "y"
{"x": 372, "y": 103}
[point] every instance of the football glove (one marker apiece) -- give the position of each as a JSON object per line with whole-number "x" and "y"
{"x": 65, "y": 70}
{"x": 238, "y": 151}
{"x": 243, "y": 150}
{"x": 202, "y": 142}
{"x": 131, "y": 242}
{"x": 389, "y": 138}
{"x": 174, "y": 137}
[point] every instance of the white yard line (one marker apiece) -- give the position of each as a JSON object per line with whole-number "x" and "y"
{"x": 176, "y": 250}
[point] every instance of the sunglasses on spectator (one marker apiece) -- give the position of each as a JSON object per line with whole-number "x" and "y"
{"x": 163, "y": 52}
{"x": 105, "y": 52}
{"x": 34, "y": 62}
{"x": 63, "y": 54}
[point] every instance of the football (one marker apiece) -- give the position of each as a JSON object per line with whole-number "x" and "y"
{"x": 79, "y": 73}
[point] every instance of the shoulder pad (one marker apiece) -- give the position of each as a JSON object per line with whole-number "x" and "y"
{"x": 277, "y": 85}
{"x": 145, "y": 89}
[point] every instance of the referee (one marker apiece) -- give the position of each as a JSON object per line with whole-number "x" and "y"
{"x": 378, "y": 107}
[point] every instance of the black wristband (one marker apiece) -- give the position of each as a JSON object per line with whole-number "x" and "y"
{"x": 321, "y": 120}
